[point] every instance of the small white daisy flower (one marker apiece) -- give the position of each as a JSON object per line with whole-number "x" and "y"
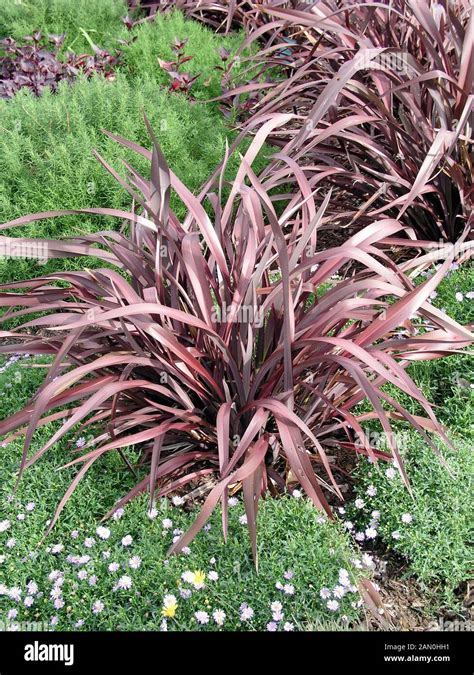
{"x": 371, "y": 533}
{"x": 118, "y": 514}
{"x": 135, "y": 562}
{"x": 219, "y": 616}
{"x": 103, "y": 532}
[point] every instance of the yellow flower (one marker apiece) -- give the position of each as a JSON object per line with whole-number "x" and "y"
{"x": 198, "y": 578}
{"x": 169, "y": 611}
{"x": 170, "y": 605}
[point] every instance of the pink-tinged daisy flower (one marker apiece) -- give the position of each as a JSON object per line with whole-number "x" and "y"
{"x": 80, "y": 443}
{"x": 118, "y": 514}
{"x": 82, "y": 575}
{"x": 113, "y": 567}
{"x": 390, "y": 473}
{"x": 246, "y": 612}
{"x": 15, "y": 593}
{"x": 339, "y": 591}
{"x": 185, "y": 593}
{"x": 297, "y": 494}
{"x": 12, "y": 614}
{"x": 407, "y": 518}
{"x": 359, "y": 503}
{"x": 28, "y": 601}
{"x": 127, "y": 540}
{"x": 325, "y": 593}
{"x": 333, "y": 605}
{"x": 344, "y": 579}
{"x": 98, "y": 607}
{"x": 276, "y": 606}
{"x": 59, "y": 603}
{"x": 459, "y": 296}
{"x": 79, "y": 623}
{"x": 32, "y": 587}
{"x": 288, "y": 575}
{"x": 74, "y": 534}
{"x": 178, "y": 501}
{"x": 57, "y": 548}
{"x": 4, "y": 525}
{"x": 11, "y": 543}
{"x": 135, "y": 562}
{"x": 167, "y": 523}
{"x": 21, "y": 516}
{"x": 359, "y": 536}
{"x": 202, "y": 617}
{"x": 124, "y": 582}
{"x": 371, "y": 491}
{"x": 92, "y": 580}
{"x": 233, "y": 501}
{"x": 396, "y": 535}
{"x": 54, "y": 620}
{"x": 348, "y": 525}
{"x": 243, "y": 520}
{"x": 212, "y": 575}
{"x": 272, "y": 627}
{"x": 30, "y": 506}
{"x": 89, "y": 542}
{"x": 288, "y": 627}
{"x": 288, "y": 589}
